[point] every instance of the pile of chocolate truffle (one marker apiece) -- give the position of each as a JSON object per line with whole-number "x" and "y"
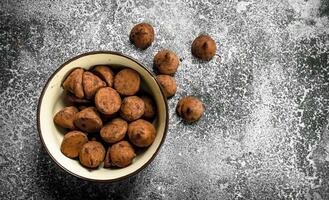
{"x": 166, "y": 63}
{"x": 98, "y": 118}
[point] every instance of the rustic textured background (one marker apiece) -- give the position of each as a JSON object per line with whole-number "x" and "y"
{"x": 265, "y": 131}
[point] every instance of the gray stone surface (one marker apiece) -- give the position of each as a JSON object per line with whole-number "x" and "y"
{"x": 265, "y": 131}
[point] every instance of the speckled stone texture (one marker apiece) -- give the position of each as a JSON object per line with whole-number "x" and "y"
{"x": 265, "y": 131}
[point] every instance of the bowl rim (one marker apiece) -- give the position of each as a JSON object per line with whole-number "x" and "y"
{"x": 40, "y": 102}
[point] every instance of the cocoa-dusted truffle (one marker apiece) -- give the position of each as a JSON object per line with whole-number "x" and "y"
{"x": 107, "y": 101}
{"x": 105, "y": 73}
{"x": 168, "y": 85}
{"x": 107, "y": 159}
{"x": 88, "y": 120}
{"x": 127, "y": 82}
{"x": 91, "y": 84}
{"x": 204, "y": 47}
{"x": 114, "y": 131}
{"x": 150, "y": 109}
{"x": 142, "y": 35}
{"x": 65, "y": 117}
{"x": 72, "y": 143}
{"x": 190, "y": 109}
{"x": 166, "y": 62}
{"x": 122, "y": 154}
{"x": 72, "y": 99}
{"x": 92, "y": 154}
{"x": 132, "y": 108}
{"x": 141, "y": 133}
{"x": 73, "y": 83}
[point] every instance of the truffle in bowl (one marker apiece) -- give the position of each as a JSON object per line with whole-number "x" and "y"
{"x": 53, "y": 99}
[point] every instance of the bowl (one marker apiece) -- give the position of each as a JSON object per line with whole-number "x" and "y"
{"x": 52, "y": 99}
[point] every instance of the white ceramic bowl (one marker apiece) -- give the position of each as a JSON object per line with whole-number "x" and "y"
{"x": 52, "y": 100}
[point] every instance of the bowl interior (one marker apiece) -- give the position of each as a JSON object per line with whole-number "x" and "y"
{"x": 53, "y": 100}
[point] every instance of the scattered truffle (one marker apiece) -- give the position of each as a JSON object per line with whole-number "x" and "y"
{"x": 204, "y": 47}
{"x": 190, "y": 109}
{"x": 142, "y": 35}
{"x": 166, "y": 62}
